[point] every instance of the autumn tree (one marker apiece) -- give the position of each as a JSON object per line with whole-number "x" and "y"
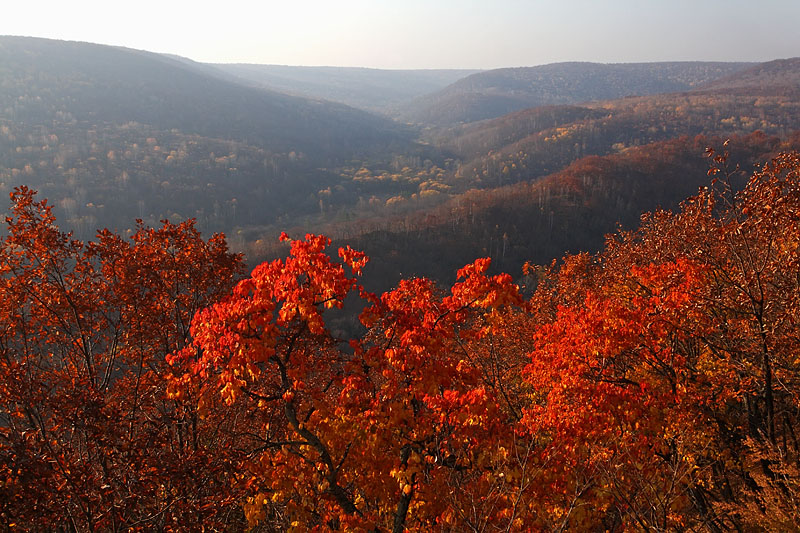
{"x": 647, "y": 386}
{"x": 408, "y": 427}
{"x": 666, "y": 375}
{"x": 88, "y": 439}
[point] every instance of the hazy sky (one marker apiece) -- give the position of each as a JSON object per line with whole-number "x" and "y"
{"x": 422, "y": 33}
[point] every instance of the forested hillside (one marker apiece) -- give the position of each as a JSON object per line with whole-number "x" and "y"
{"x": 112, "y": 134}
{"x": 46, "y": 82}
{"x": 774, "y": 78}
{"x": 535, "y": 142}
{"x": 497, "y": 92}
{"x": 568, "y": 211}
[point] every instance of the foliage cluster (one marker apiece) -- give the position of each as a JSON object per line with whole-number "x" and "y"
{"x": 88, "y": 439}
{"x": 650, "y": 386}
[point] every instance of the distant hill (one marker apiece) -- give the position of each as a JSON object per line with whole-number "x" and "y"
{"x": 43, "y": 80}
{"x": 506, "y": 157}
{"x": 631, "y": 154}
{"x": 497, "y": 92}
{"x": 568, "y": 211}
{"x": 529, "y": 144}
{"x": 773, "y": 78}
{"x": 112, "y": 134}
{"x": 365, "y": 88}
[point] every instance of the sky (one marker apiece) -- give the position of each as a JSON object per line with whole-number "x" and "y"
{"x": 412, "y": 34}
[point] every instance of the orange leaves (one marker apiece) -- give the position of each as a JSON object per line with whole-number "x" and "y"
{"x": 679, "y": 330}
{"x": 634, "y": 384}
{"x": 280, "y": 299}
{"x": 267, "y": 348}
{"x": 462, "y": 409}
{"x": 354, "y": 259}
{"x": 91, "y": 324}
{"x": 477, "y": 289}
{"x": 410, "y": 388}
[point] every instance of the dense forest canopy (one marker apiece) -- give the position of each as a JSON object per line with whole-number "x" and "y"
{"x": 650, "y": 385}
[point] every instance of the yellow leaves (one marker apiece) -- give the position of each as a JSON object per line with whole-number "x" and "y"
{"x": 203, "y": 406}
{"x": 231, "y": 391}
{"x": 254, "y": 509}
{"x": 175, "y": 391}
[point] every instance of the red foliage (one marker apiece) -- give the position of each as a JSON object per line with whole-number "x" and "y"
{"x": 88, "y": 439}
{"x": 650, "y": 386}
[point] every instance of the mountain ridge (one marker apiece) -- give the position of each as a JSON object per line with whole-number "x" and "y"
{"x": 780, "y": 76}
{"x": 497, "y": 92}
{"x": 122, "y": 85}
{"x": 378, "y": 90}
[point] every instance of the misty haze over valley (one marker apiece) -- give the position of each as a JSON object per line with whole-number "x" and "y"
{"x": 110, "y": 135}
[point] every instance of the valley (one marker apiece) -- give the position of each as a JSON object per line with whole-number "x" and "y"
{"x": 111, "y": 135}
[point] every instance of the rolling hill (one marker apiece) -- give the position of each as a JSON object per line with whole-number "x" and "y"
{"x": 773, "y": 78}
{"x": 112, "y": 134}
{"x": 532, "y": 184}
{"x": 497, "y": 92}
{"x": 568, "y": 211}
{"x": 45, "y": 80}
{"x": 532, "y": 143}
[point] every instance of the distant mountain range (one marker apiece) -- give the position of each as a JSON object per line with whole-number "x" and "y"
{"x": 773, "y": 78}
{"x": 111, "y": 134}
{"x": 376, "y": 90}
{"x": 43, "y": 79}
{"x": 764, "y": 97}
{"x": 497, "y": 92}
